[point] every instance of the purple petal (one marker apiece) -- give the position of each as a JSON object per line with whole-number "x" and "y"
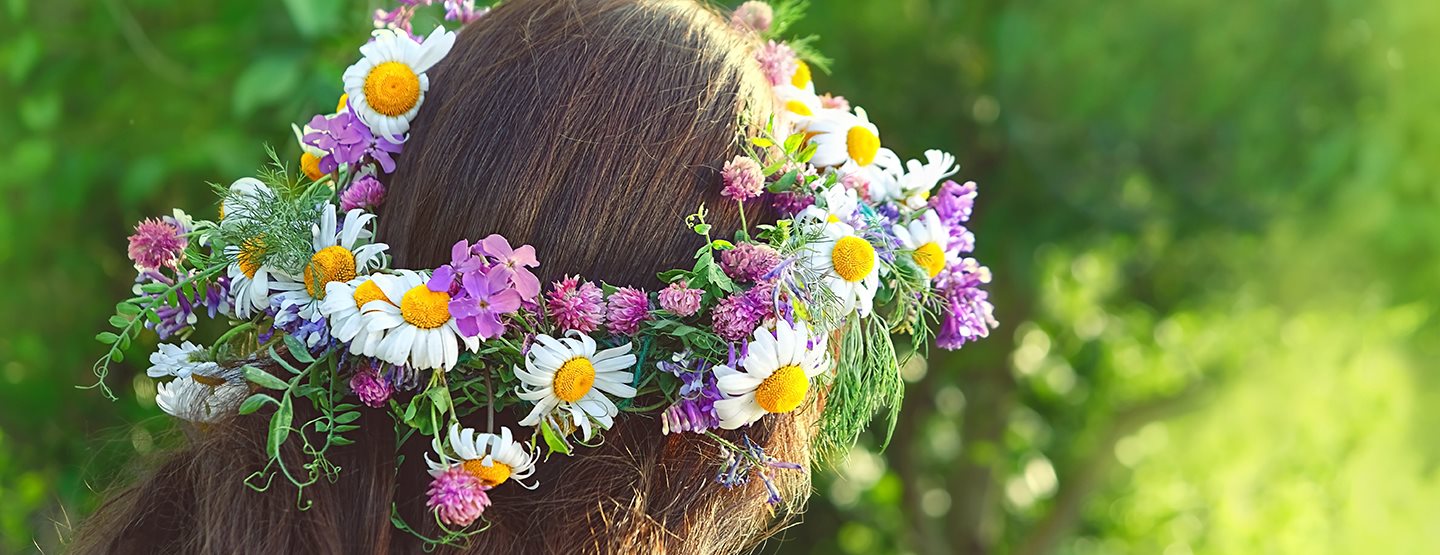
{"x": 442, "y": 279}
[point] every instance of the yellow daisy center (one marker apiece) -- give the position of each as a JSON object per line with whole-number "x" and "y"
{"x": 930, "y": 258}
{"x": 784, "y": 390}
{"x": 863, "y": 144}
{"x": 798, "y": 107}
{"x": 492, "y": 475}
{"x": 335, "y": 263}
{"x": 425, "y": 309}
{"x": 340, "y": 106}
{"x": 392, "y": 89}
{"x": 853, "y": 258}
{"x": 802, "y": 74}
{"x": 252, "y": 253}
{"x": 310, "y": 164}
{"x": 367, "y": 292}
{"x": 574, "y": 379}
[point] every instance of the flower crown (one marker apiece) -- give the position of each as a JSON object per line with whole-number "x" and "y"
{"x": 869, "y": 247}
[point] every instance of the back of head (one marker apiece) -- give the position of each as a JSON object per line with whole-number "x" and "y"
{"x": 588, "y": 129}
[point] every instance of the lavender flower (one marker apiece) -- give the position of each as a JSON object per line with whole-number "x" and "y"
{"x": 156, "y": 243}
{"x": 346, "y": 140}
{"x": 173, "y": 319}
{"x": 695, "y": 410}
{"x": 576, "y": 305}
{"x": 626, "y": 309}
{"x": 463, "y": 11}
{"x": 366, "y": 192}
{"x": 457, "y": 497}
{"x": 739, "y": 464}
{"x": 680, "y": 300}
{"x": 743, "y": 179}
{"x": 753, "y": 16}
{"x": 748, "y": 261}
{"x": 969, "y": 315}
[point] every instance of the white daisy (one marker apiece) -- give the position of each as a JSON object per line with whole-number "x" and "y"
{"x": 929, "y": 240}
{"x": 342, "y": 305}
{"x": 180, "y": 361}
{"x": 848, "y": 266}
{"x": 491, "y": 458}
{"x": 419, "y": 332}
{"x": 197, "y": 398}
{"x": 910, "y": 183}
{"x": 775, "y": 375}
{"x": 388, "y": 84}
{"x": 843, "y": 137}
{"x": 342, "y": 252}
{"x": 567, "y": 375}
{"x": 835, "y": 204}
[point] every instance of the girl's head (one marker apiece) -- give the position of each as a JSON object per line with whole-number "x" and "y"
{"x": 588, "y": 129}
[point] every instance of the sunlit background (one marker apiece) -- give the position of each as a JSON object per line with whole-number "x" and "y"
{"x": 1213, "y": 227}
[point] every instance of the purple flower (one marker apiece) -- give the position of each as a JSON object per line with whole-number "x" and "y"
{"x": 515, "y": 263}
{"x": 576, "y": 305}
{"x": 753, "y": 16}
{"x": 214, "y": 297}
{"x": 457, "y": 497}
{"x": 680, "y": 300}
{"x": 739, "y": 464}
{"x": 626, "y": 309}
{"x": 736, "y": 317}
{"x": 969, "y": 315}
{"x": 695, "y": 411}
{"x": 743, "y": 179}
{"x": 954, "y": 202}
{"x": 463, "y": 11}
{"x": 778, "y": 62}
{"x": 790, "y": 204}
{"x": 749, "y": 261}
{"x": 346, "y": 140}
{"x": 483, "y": 299}
{"x": 156, "y": 243}
{"x": 372, "y": 388}
{"x": 366, "y": 192}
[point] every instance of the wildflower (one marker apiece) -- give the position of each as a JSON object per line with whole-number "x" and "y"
{"x": 736, "y": 316}
{"x": 515, "y": 262}
{"x": 749, "y": 261}
{"x": 626, "y": 309}
{"x": 372, "y": 388}
{"x": 743, "y": 179}
{"x": 681, "y": 300}
{"x": 834, "y": 102}
{"x": 576, "y": 305}
{"x": 695, "y": 410}
{"x": 457, "y": 497}
{"x": 753, "y": 16}
{"x": 388, "y": 84}
{"x": 483, "y": 299}
{"x": 778, "y": 61}
{"x": 156, "y": 243}
{"x": 346, "y": 140}
{"x": 969, "y": 315}
{"x": 365, "y": 193}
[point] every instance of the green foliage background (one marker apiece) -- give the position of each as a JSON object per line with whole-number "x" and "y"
{"x": 1213, "y": 227}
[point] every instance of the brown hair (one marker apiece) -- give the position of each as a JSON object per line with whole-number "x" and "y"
{"x": 589, "y": 129}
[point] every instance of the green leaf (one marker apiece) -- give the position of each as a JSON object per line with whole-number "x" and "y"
{"x": 340, "y": 440}
{"x": 107, "y": 338}
{"x": 347, "y": 418}
{"x": 254, "y": 402}
{"x": 721, "y": 245}
{"x": 119, "y": 321}
{"x": 280, "y": 427}
{"x": 762, "y": 142}
{"x": 297, "y": 349}
{"x": 784, "y": 183}
{"x": 154, "y": 288}
{"x": 264, "y": 379}
{"x": 792, "y": 143}
{"x": 126, "y": 309}
{"x": 552, "y": 439}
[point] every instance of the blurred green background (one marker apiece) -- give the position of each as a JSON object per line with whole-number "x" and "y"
{"x": 1213, "y": 226}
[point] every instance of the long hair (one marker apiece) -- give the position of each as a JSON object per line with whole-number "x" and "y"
{"x": 589, "y": 129}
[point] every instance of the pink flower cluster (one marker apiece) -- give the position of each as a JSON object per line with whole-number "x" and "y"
{"x": 457, "y": 497}
{"x": 743, "y": 179}
{"x": 749, "y": 261}
{"x": 487, "y": 281}
{"x": 626, "y": 309}
{"x": 736, "y": 317}
{"x": 372, "y": 388}
{"x": 778, "y": 61}
{"x": 156, "y": 243}
{"x": 753, "y": 16}
{"x": 576, "y": 305}
{"x": 681, "y": 300}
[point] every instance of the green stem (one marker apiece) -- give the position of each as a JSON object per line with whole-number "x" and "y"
{"x": 214, "y": 347}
